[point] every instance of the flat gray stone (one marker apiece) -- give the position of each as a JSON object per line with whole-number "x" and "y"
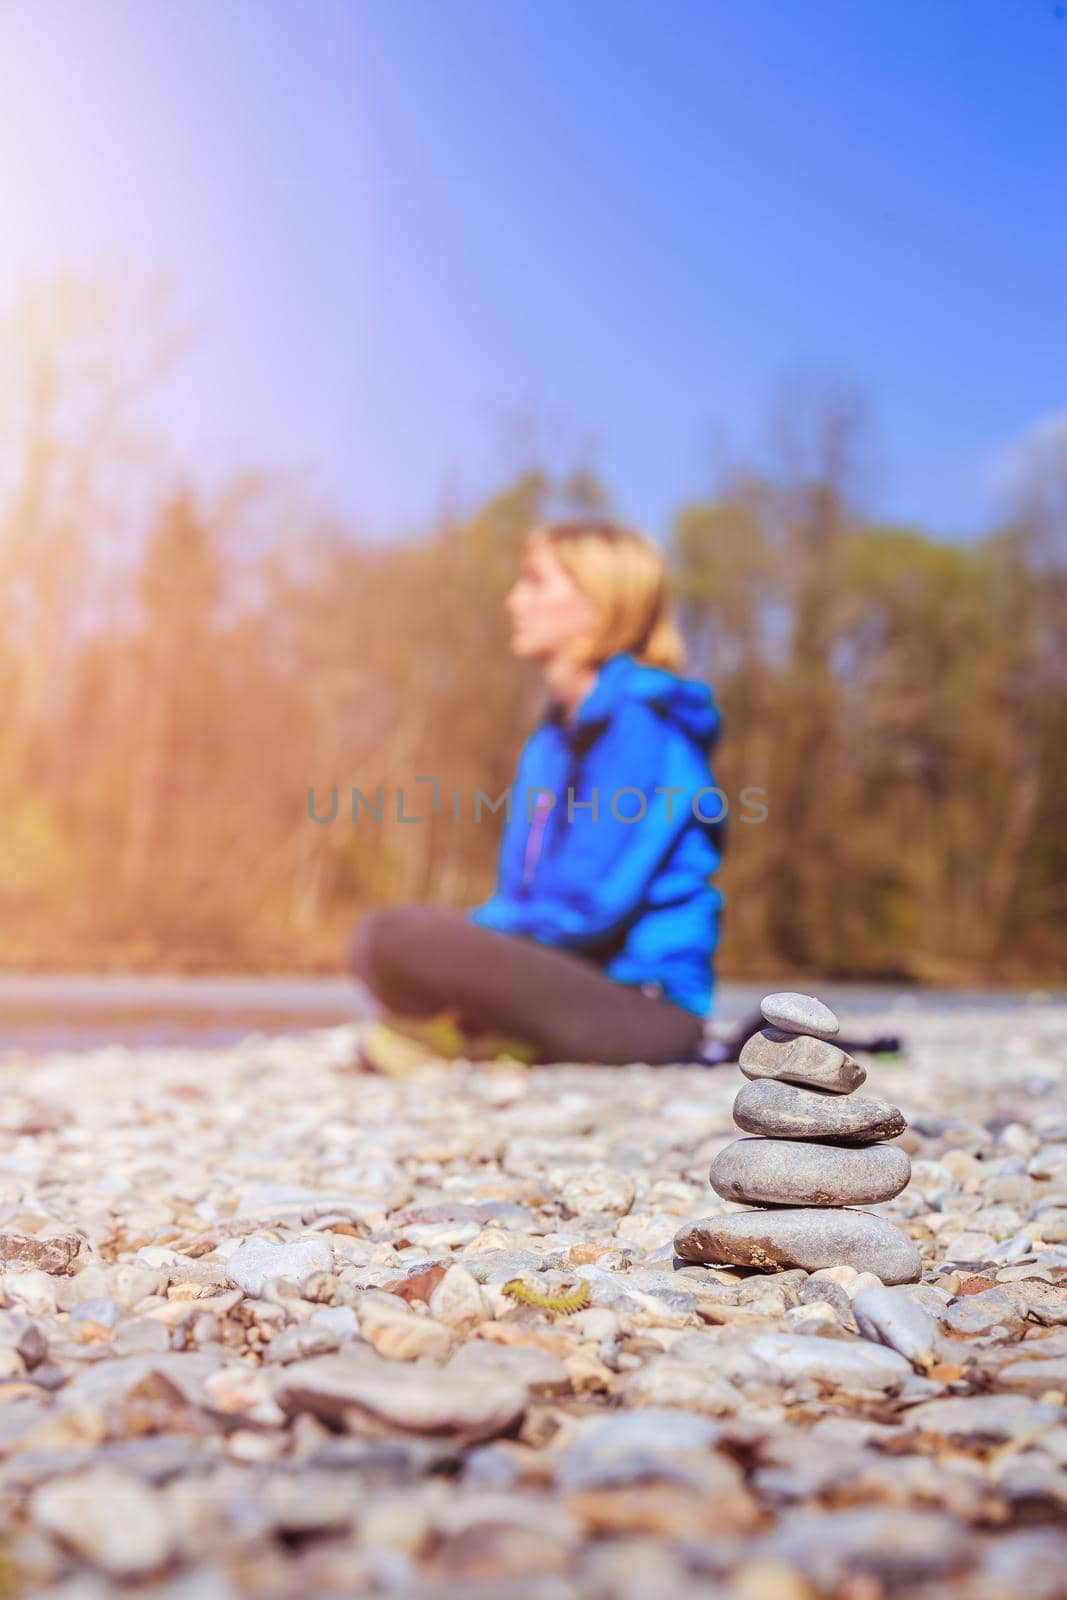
{"x": 792, "y": 1172}
{"x": 636, "y": 1446}
{"x": 891, "y": 1317}
{"x": 783, "y": 1111}
{"x": 1034, "y": 1376}
{"x": 800, "y": 1013}
{"x": 110, "y": 1519}
{"x": 358, "y": 1387}
{"x": 989, "y": 1316}
{"x": 986, "y": 1417}
{"x": 835, "y": 1363}
{"x": 499, "y": 1266}
{"x": 538, "y": 1371}
{"x": 796, "y": 1058}
{"x": 803, "y": 1238}
{"x": 256, "y": 1260}
{"x": 899, "y": 1547}
{"x": 304, "y": 1341}
{"x": 99, "y": 1309}
{"x": 24, "y": 1335}
{"x": 180, "y": 1374}
{"x": 672, "y": 1380}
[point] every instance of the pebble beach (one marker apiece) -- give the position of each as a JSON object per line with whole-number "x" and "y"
{"x": 274, "y": 1325}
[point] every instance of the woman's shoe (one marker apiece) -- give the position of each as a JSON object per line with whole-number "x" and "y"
{"x": 402, "y": 1046}
{"x": 439, "y": 1032}
{"x": 501, "y": 1047}
{"x": 395, "y": 1052}
{"x": 443, "y": 1032}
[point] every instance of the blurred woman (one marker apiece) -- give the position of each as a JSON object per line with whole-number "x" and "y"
{"x": 598, "y": 941}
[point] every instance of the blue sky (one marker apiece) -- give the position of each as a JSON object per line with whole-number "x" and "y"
{"x": 400, "y": 226}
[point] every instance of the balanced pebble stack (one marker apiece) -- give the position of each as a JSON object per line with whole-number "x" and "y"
{"x": 813, "y": 1155}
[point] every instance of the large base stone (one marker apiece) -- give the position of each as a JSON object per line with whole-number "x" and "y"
{"x": 802, "y": 1238}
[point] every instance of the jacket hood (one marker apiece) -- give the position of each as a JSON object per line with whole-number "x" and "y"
{"x": 687, "y": 702}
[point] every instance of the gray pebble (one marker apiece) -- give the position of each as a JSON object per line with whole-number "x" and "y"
{"x": 989, "y": 1316}
{"x": 1034, "y": 1376}
{"x": 302, "y": 1342}
{"x": 796, "y": 1058}
{"x": 499, "y": 1266}
{"x": 783, "y": 1111}
{"x": 891, "y": 1317}
{"x": 1048, "y": 1161}
{"x": 540, "y": 1371}
{"x": 836, "y": 1363}
{"x": 99, "y": 1309}
{"x": 632, "y": 1447}
{"x": 800, "y": 1013}
{"x": 985, "y": 1418}
{"x": 402, "y": 1395}
{"x": 256, "y": 1260}
{"x": 24, "y": 1335}
{"x": 898, "y": 1547}
{"x": 816, "y": 1290}
{"x": 794, "y": 1173}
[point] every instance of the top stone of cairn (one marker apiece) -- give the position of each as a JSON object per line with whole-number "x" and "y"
{"x": 800, "y": 1013}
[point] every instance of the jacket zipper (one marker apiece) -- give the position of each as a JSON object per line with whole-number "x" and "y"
{"x": 535, "y": 837}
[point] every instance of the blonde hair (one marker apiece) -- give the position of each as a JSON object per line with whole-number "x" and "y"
{"x": 625, "y": 574}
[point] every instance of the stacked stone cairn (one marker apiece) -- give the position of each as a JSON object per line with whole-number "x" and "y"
{"x": 814, "y": 1154}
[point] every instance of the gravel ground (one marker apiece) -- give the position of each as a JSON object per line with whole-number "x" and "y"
{"x": 256, "y": 1339}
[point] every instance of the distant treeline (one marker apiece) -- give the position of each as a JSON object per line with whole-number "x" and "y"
{"x": 174, "y": 692}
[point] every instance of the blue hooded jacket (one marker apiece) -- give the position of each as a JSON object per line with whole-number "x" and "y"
{"x": 624, "y": 884}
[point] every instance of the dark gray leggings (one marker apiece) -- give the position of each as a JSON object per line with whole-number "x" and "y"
{"x": 419, "y": 959}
